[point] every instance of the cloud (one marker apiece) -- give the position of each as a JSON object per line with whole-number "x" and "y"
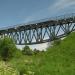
{"x": 61, "y": 5}
{"x": 30, "y": 18}
{"x": 55, "y": 8}
{"x": 39, "y": 14}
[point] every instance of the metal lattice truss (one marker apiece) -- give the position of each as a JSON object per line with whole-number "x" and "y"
{"x": 40, "y": 32}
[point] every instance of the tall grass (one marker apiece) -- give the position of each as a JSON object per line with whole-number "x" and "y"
{"x": 57, "y": 60}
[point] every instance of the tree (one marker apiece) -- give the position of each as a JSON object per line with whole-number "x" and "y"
{"x": 27, "y": 51}
{"x": 7, "y": 48}
{"x": 36, "y": 51}
{"x": 57, "y": 42}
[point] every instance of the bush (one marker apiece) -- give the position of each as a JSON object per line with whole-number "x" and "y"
{"x": 7, "y": 48}
{"x": 57, "y": 42}
{"x": 36, "y": 51}
{"x": 27, "y": 51}
{"x": 18, "y": 54}
{"x": 22, "y": 69}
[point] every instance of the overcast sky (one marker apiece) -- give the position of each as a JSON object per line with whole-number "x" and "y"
{"x": 14, "y": 12}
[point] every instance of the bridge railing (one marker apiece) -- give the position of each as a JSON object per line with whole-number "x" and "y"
{"x": 71, "y": 15}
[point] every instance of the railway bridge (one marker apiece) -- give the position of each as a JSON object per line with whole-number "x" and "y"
{"x": 41, "y": 31}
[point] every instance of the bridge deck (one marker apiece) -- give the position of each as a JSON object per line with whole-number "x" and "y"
{"x": 63, "y": 19}
{"x": 41, "y": 31}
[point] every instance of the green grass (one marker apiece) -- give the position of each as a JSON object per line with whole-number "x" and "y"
{"x": 57, "y": 60}
{"x": 60, "y": 59}
{"x": 6, "y": 69}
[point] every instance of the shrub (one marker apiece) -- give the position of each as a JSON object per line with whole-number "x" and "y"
{"x": 7, "y": 48}
{"x": 36, "y": 51}
{"x": 57, "y": 42}
{"x": 27, "y": 51}
{"x": 18, "y": 54}
{"x": 22, "y": 69}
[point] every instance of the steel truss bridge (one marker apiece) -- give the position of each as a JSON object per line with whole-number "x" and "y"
{"x": 40, "y": 31}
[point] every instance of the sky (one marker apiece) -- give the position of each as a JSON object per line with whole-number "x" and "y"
{"x": 14, "y": 12}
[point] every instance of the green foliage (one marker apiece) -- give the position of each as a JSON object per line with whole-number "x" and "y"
{"x": 57, "y": 60}
{"x": 36, "y": 51}
{"x": 7, "y": 69}
{"x": 7, "y": 48}
{"x": 57, "y": 42}
{"x": 27, "y": 51}
{"x": 21, "y": 68}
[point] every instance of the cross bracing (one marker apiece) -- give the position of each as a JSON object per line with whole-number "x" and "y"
{"x": 40, "y": 31}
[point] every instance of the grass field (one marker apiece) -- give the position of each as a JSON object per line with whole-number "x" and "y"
{"x": 57, "y": 60}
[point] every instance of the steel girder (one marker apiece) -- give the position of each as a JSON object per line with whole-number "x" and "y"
{"x": 41, "y": 32}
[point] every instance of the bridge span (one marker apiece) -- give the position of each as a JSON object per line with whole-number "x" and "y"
{"x": 40, "y": 31}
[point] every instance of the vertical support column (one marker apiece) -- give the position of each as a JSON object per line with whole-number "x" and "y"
{"x": 29, "y": 36}
{"x": 41, "y": 34}
{"x": 4, "y": 34}
{"x": 53, "y": 32}
{"x": 20, "y": 37}
{"x": 67, "y": 28}
{"x": 37, "y": 35}
{"x": 15, "y": 36}
{"x": 1, "y": 35}
{"x": 25, "y": 40}
{"x": 11, "y": 34}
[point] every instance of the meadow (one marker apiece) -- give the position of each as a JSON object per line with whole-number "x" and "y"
{"x": 58, "y": 59}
